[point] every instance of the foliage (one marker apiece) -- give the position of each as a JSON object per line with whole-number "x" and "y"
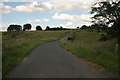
{"x": 47, "y": 28}
{"x": 14, "y": 28}
{"x": 26, "y": 27}
{"x": 84, "y": 27}
{"x": 78, "y": 27}
{"x": 38, "y": 28}
{"x": 56, "y": 28}
{"x": 107, "y": 13}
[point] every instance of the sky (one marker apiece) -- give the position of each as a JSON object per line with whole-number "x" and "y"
{"x": 53, "y": 13}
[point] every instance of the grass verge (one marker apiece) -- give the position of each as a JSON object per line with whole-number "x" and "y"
{"x": 17, "y": 45}
{"x": 86, "y": 44}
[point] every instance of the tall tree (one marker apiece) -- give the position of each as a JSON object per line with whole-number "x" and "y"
{"x": 107, "y": 13}
{"x": 26, "y": 27}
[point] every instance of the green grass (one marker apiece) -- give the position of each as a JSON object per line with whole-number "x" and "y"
{"x": 87, "y": 45}
{"x": 17, "y": 45}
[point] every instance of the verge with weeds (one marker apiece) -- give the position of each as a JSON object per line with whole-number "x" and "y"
{"x": 17, "y": 45}
{"x": 87, "y": 45}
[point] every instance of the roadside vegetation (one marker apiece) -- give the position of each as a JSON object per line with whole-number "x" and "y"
{"x": 17, "y": 45}
{"x": 87, "y": 44}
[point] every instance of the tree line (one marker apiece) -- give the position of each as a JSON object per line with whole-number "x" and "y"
{"x": 106, "y": 13}
{"x": 27, "y": 27}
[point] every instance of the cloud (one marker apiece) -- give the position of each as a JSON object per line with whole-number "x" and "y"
{"x": 65, "y": 17}
{"x": 69, "y": 24}
{"x": 74, "y": 17}
{"x": 3, "y": 27}
{"x": 84, "y": 19}
{"x": 34, "y": 7}
{"x": 79, "y": 5}
{"x": 17, "y": 0}
{"x": 38, "y": 21}
{"x": 29, "y": 21}
{"x": 4, "y": 9}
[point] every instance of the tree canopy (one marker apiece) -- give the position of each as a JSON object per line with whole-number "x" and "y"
{"x": 84, "y": 27}
{"x": 47, "y": 28}
{"x": 13, "y": 27}
{"x": 107, "y": 15}
{"x": 26, "y": 27}
{"x": 38, "y": 28}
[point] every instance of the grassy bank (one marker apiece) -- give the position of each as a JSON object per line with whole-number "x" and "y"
{"x": 17, "y": 45}
{"x": 86, "y": 44}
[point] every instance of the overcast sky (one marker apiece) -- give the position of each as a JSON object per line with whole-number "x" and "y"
{"x": 65, "y": 13}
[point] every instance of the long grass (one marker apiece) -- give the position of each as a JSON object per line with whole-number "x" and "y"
{"x": 17, "y": 45}
{"x": 87, "y": 45}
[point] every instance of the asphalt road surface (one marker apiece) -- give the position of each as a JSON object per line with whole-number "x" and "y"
{"x": 51, "y": 61}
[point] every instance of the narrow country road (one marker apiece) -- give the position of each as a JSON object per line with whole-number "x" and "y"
{"x": 51, "y": 61}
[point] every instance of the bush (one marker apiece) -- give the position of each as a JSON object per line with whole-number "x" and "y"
{"x": 104, "y": 37}
{"x": 70, "y": 38}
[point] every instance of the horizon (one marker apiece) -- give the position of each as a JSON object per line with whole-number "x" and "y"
{"x": 47, "y": 13}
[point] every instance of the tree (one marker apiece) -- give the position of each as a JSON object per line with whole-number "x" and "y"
{"x": 107, "y": 13}
{"x": 47, "y": 28}
{"x": 84, "y": 27}
{"x": 14, "y": 28}
{"x": 26, "y": 27}
{"x": 78, "y": 27}
{"x": 61, "y": 28}
{"x": 38, "y": 28}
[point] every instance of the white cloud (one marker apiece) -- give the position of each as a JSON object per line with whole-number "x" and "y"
{"x": 69, "y": 24}
{"x": 45, "y": 20}
{"x": 73, "y": 18}
{"x": 34, "y": 6}
{"x": 79, "y": 5}
{"x": 65, "y": 17}
{"x": 83, "y": 19}
{"x": 29, "y": 21}
{"x": 17, "y": 0}
{"x": 5, "y": 9}
{"x": 3, "y": 27}
{"x": 85, "y": 23}
{"x": 48, "y": 4}
{"x": 38, "y": 21}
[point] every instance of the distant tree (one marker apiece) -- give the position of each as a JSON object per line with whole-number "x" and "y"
{"x": 14, "y": 28}
{"x": 9, "y": 29}
{"x": 26, "y": 27}
{"x": 78, "y": 27}
{"x": 84, "y": 27}
{"x": 61, "y": 28}
{"x": 48, "y": 28}
{"x": 38, "y": 28}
